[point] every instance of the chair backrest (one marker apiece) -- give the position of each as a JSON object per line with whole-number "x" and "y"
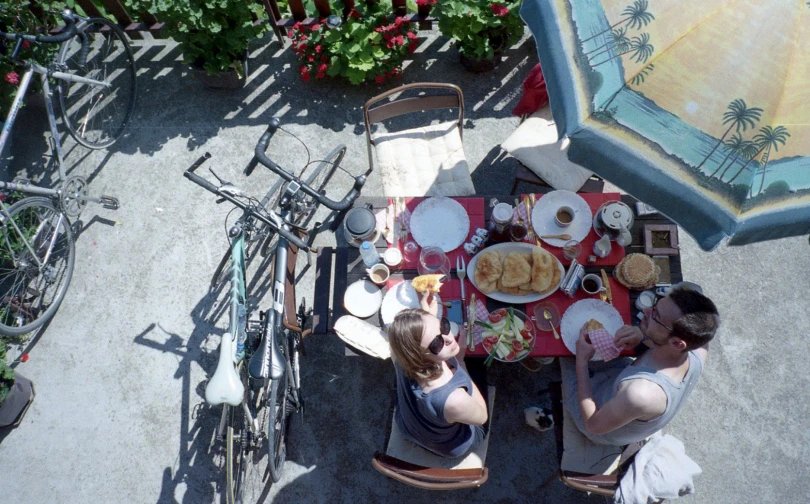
{"x": 437, "y": 96}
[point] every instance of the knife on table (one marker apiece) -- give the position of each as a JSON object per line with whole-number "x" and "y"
{"x": 470, "y": 339}
{"x": 606, "y": 283}
{"x": 533, "y": 200}
{"x": 530, "y": 228}
{"x": 395, "y": 238}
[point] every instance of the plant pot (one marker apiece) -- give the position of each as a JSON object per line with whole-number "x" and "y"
{"x": 13, "y": 409}
{"x": 479, "y": 66}
{"x": 224, "y": 80}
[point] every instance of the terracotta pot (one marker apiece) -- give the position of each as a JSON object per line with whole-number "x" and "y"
{"x": 479, "y": 66}
{"x": 14, "y": 407}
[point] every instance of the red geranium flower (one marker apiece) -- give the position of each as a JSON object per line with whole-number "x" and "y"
{"x": 412, "y": 48}
{"x": 411, "y": 36}
{"x": 379, "y": 79}
{"x": 13, "y": 78}
{"x": 290, "y": 33}
{"x": 318, "y": 48}
{"x": 305, "y": 76}
{"x": 304, "y": 37}
{"x": 353, "y": 13}
{"x": 311, "y": 58}
{"x": 302, "y": 47}
{"x": 24, "y": 357}
{"x": 316, "y": 26}
{"x": 26, "y": 44}
{"x": 320, "y": 75}
{"x": 324, "y": 59}
{"x": 322, "y": 68}
{"x": 398, "y": 21}
{"x": 399, "y": 39}
{"x": 499, "y": 10}
{"x": 303, "y": 69}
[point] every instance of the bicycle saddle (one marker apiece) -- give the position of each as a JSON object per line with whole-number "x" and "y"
{"x": 225, "y": 386}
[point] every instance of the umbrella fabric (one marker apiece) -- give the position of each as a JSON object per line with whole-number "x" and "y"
{"x": 701, "y": 109}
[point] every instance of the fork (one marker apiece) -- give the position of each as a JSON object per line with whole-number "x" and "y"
{"x": 461, "y": 271}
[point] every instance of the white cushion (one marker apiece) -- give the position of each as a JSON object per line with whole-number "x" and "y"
{"x": 427, "y": 161}
{"x": 534, "y": 143}
{"x": 405, "y": 450}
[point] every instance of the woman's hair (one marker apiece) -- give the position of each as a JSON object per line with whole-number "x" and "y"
{"x": 405, "y": 337}
{"x": 700, "y": 319}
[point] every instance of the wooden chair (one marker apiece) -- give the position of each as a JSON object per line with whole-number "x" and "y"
{"x": 421, "y": 161}
{"x": 408, "y": 463}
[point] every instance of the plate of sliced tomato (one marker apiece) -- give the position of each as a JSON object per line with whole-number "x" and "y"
{"x": 508, "y": 335}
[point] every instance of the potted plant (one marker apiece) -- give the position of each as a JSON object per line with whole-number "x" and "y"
{"x": 213, "y": 35}
{"x": 364, "y": 46}
{"x": 481, "y": 29}
{"x": 423, "y": 7}
{"x": 16, "y": 392}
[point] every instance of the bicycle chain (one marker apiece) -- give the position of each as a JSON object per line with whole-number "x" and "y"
{"x": 69, "y": 192}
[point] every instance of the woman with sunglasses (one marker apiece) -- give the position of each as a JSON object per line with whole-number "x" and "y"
{"x": 439, "y": 407}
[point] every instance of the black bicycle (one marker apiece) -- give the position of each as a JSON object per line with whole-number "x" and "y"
{"x": 258, "y": 379}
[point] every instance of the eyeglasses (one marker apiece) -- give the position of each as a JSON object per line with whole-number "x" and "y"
{"x": 654, "y": 316}
{"x": 437, "y": 344}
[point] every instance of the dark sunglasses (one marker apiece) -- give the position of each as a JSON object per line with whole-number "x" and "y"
{"x": 438, "y": 342}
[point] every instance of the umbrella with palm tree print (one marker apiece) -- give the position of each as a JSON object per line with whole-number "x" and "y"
{"x": 701, "y": 109}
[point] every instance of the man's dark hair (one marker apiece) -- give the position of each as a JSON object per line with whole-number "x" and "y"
{"x": 700, "y": 319}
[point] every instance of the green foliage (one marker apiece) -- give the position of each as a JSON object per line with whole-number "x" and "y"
{"x": 778, "y": 188}
{"x": 480, "y": 28}
{"x": 6, "y": 373}
{"x": 213, "y": 34}
{"x": 367, "y": 45}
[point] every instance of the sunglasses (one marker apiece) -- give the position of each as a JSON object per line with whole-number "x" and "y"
{"x": 654, "y": 316}
{"x": 437, "y": 344}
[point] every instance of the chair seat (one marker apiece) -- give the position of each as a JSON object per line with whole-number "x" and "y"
{"x": 535, "y": 144}
{"x": 425, "y": 161}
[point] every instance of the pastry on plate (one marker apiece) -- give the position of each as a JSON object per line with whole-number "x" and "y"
{"x": 428, "y": 283}
{"x": 488, "y": 271}
{"x": 544, "y": 266}
{"x": 516, "y": 270}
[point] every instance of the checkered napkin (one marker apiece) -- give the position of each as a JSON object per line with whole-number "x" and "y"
{"x": 380, "y": 216}
{"x": 602, "y": 342}
{"x": 481, "y": 314}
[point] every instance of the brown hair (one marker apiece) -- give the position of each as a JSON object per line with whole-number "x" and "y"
{"x": 405, "y": 338}
{"x": 700, "y": 319}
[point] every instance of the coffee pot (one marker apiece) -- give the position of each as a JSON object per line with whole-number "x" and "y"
{"x": 614, "y": 219}
{"x": 360, "y": 223}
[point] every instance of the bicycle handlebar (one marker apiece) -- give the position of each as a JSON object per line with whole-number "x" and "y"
{"x": 70, "y": 30}
{"x": 261, "y": 147}
{"x": 189, "y": 174}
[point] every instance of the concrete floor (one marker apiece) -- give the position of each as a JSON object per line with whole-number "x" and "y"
{"x": 120, "y": 371}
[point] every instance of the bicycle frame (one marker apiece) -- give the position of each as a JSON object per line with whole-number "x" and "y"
{"x": 31, "y": 69}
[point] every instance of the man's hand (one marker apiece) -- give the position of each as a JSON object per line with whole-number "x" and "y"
{"x": 628, "y": 337}
{"x": 428, "y": 302}
{"x": 584, "y": 348}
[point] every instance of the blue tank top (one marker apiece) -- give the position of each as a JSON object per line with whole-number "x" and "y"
{"x": 420, "y": 415}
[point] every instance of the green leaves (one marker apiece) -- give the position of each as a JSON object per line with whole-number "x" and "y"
{"x": 476, "y": 26}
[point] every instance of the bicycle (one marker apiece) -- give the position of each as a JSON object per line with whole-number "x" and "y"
{"x": 37, "y": 248}
{"x": 257, "y": 379}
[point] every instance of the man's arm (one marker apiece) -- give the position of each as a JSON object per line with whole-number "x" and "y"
{"x": 635, "y": 400}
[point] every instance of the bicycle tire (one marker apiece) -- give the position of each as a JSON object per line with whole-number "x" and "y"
{"x": 317, "y": 179}
{"x": 24, "y": 286}
{"x": 235, "y": 446}
{"x": 223, "y": 270}
{"x": 277, "y": 427}
{"x": 97, "y": 119}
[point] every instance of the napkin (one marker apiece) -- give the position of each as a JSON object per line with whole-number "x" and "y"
{"x": 380, "y": 217}
{"x": 481, "y": 314}
{"x": 602, "y": 342}
{"x": 363, "y": 336}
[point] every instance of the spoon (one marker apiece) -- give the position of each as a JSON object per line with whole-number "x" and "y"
{"x": 547, "y": 316}
{"x": 558, "y": 236}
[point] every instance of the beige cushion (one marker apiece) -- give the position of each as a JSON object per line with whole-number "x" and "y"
{"x": 580, "y": 454}
{"x": 427, "y": 161}
{"x": 407, "y": 451}
{"x": 363, "y": 336}
{"x": 534, "y": 143}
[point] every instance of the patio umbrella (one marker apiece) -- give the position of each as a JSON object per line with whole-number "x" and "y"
{"x": 699, "y": 108}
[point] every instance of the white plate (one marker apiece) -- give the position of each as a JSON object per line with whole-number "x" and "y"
{"x": 440, "y": 222}
{"x": 362, "y": 299}
{"x": 581, "y": 312}
{"x": 401, "y": 297}
{"x": 506, "y": 248}
{"x": 546, "y": 208}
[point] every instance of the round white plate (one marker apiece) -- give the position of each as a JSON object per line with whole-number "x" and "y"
{"x": 440, "y": 222}
{"x": 581, "y": 312}
{"x": 362, "y": 299}
{"x": 401, "y": 297}
{"x": 512, "y": 298}
{"x": 546, "y": 208}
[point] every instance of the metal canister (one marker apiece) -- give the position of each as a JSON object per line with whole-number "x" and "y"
{"x": 572, "y": 279}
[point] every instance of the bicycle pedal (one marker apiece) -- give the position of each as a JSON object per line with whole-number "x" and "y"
{"x": 110, "y": 203}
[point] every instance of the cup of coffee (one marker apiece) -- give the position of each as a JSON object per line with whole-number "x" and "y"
{"x": 392, "y": 257}
{"x": 592, "y": 284}
{"x": 646, "y": 299}
{"x": 564, "y": 216}
{"x": 379, "y": 273}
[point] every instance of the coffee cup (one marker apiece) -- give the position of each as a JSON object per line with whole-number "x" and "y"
{"x": 379, "y": 273}
{"x": 392, "y": 257}
{"x": 592, "y": 284}
{"x": 645, "y": 300}
{"x": 564, "y": 216}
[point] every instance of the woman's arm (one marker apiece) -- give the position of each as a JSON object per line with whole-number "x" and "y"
{"x": 464, "y": 408}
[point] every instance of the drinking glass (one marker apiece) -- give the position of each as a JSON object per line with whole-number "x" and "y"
{"x": 433, "y": 260}
{"x": 409, "y": 250}
{"x": 517, "y": 232}
{"x": 572, "y": 249}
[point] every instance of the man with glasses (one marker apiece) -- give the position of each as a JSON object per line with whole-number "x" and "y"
{"x": 628, "y": 400}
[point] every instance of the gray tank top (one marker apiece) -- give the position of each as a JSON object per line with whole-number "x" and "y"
{"x": 676, "y": 396}
{"x": 420, "y": 415}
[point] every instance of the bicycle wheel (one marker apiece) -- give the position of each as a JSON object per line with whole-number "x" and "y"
{"x": 317, "y": 180}
{"x": 32, "y": 285}
{"x": 235, "y": 446}
{"x": 279, "y": 401}
{"x": 96, "y": 117}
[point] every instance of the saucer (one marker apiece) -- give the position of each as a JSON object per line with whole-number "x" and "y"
{"x": 356, "y": 243}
